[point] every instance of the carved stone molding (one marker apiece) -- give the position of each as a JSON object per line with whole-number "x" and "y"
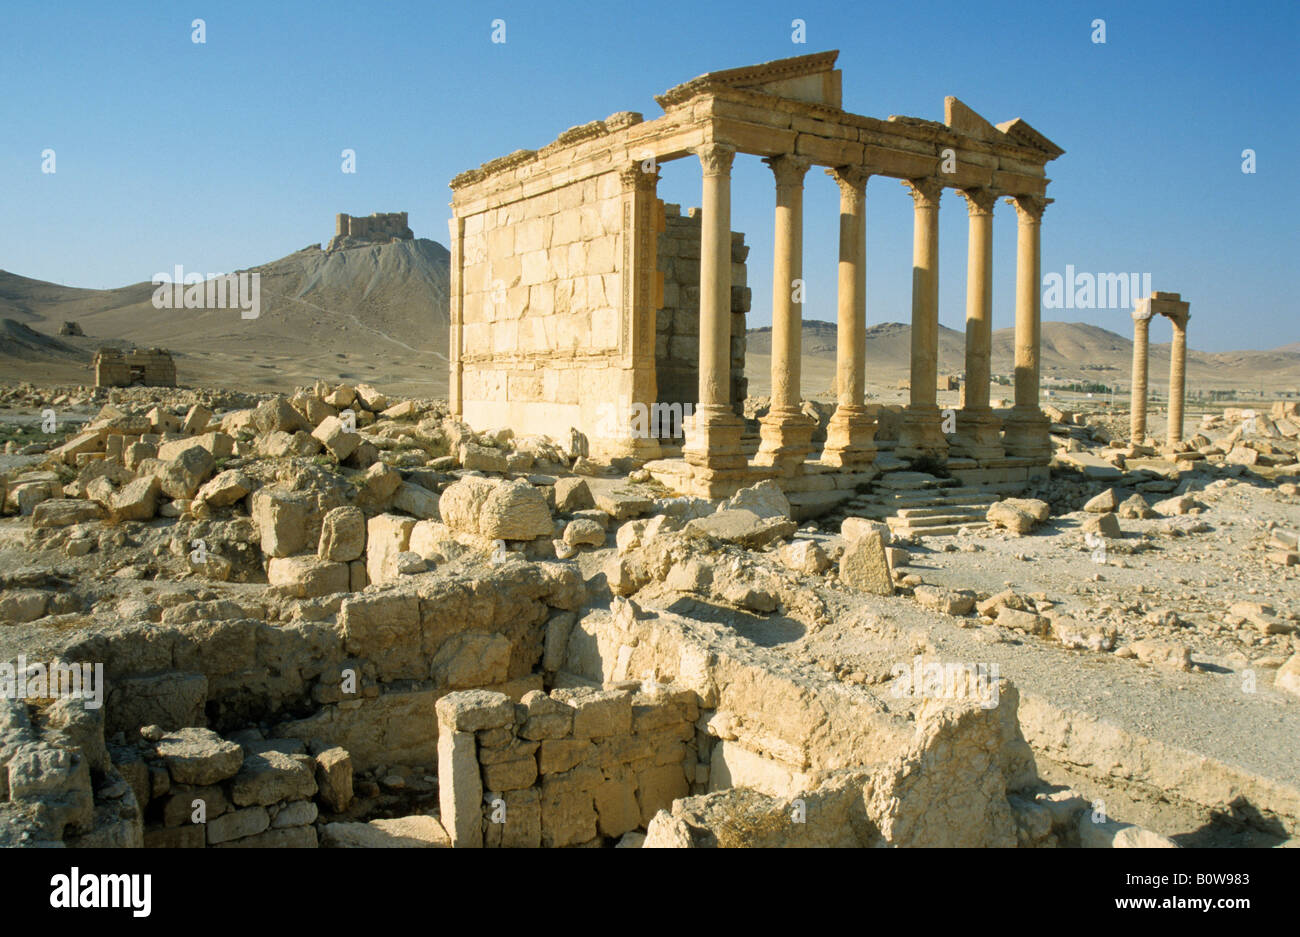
{"x": 716, "y": 158}
{"x": 852, "y": 181}
{"x": 979, "y": 201}
{"x": 1030, "y": 208}
{"x": 788, "y": 169}
{"x": 634, "y": 177}
{"x": 925, "y": 192}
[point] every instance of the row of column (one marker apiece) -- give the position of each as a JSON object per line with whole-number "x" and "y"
{"x": 786, "y": 431}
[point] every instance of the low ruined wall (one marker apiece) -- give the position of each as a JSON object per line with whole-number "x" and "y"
{"x": 365, "y": 676}
{"x": 563, "y": 769}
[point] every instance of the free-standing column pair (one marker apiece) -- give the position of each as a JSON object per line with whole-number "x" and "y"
{"x": 1178, "y": 312}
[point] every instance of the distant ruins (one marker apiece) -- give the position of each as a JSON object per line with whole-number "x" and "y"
{"x": 1172, "y": 307}
{"x": 557, "y": 284}
{"x": 379, "y": 228}
{"x": 152, "y": 367}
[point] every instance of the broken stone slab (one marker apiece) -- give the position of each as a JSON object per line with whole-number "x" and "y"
{"x": 944, "y": 601}
{"x": 1168, "y": 655}
{"x": 581, "y": 532}
{"x": 225, "y": 488}
{"x": 333, "y": 434}
{"x": 1090, "y": 465}
{"x": 865, "y": 565}
{"x": 475, "y": 710}
{"x": 854, "y": 528}
{"x": 1107, "y": 525}
{"x": 804, "y": 556}
{"x": 1135, "y": 508}
{"x": 135, "y": 501}
{"x": 307, "y": 577}
{"x": 572, "y": 494}
{"x": 199, "y": 756}
{"x": 1111, "y": 834}
{"x": 1103, "y": 503}
{"x": 743, "y": 527}
{"x": 182, "y": 476}
{"x": 478, "y": 458}
{"x": 416, "y": 501}
{"x": 269, "y": 777}
{"x": 64, "y": 512}
{"x": 342, "y": 534}
{"x": 1010, "y": 517}
{"x": 622, "y": 505}
{"x": 766, "y": 499}
{"x": 498, "y": 510}
{"x": 334, "y": 778}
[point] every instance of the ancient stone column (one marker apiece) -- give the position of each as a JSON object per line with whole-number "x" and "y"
{"x": 1026, "y": 428}
{"x": 978, "y": 430}
{"x": 713, "y": 438}
{"x": 850, "y": 431}
{"x": 786, "y": 431}
{"x": 920, "y": 434}
{"x": 1141, "y": 338}
{"x": 1177, "y": 378}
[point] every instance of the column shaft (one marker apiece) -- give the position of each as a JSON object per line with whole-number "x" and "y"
{"x": 786, "y": 431}
{"x": 920, "y": 433}
{"x": 977, "y": 428}
{"x": 1138, "y": 391}
{"x": 850, "y": 429}
{"x": 1027, "y": 428}
{"x": 1177, "y": 382}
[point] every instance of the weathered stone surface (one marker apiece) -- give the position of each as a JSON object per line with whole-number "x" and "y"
{"x": 766, "y": 499}
{"x": 225, "y": 488}
{"x": 581, "y": 532}
{"x": 743, "y": 527}
{"x": 1288, "y": 676}
{"x": 199, "y": 756}
{"x": 237, "y": 824}
{"x": 416, "y": 501}
{"x": 342, "y": 535}
{"x": 334, "y": 436}
{"x": 414, "y": 832}
{"x": 1108, "y": 500}
{"x": 1107, "y": 525}
{"x": 135, "y": 501}
{"x": 498, "y": 510}
{"x": 572, "y": 494}
{"x": 61, "y": 512}
{"x": 270, "y": 776}
{"x": 334, "y": 778}
{"x": 387, "y": 536}
{"x": 307, "y": 576}
{"x": 865, "y": 566}
{"x": 804, "y": 556}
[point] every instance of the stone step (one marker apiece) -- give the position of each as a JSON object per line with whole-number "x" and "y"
{"x": 934, "y": 520}
{"x": 947, "y": 530}
{"x": 941, "y": 496}
{"x": 974, "y": 511}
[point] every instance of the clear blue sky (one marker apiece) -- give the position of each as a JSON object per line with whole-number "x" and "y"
{"x": 227, "y": 154}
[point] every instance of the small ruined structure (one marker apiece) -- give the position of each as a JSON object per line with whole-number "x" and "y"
{"x": 152, "y": 367}
{"x": 1171, "y": 306}
{"x": 556, "y": 285}
{"x": 379, "y": 228}
{"x": 71, "y": 328}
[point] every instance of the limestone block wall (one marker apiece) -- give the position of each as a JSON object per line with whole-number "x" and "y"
{"x": 677, "y": 325}
{"x": 565, "y": 768}
{"x": 154, "y": 367}
{"x": 543, "y": 340}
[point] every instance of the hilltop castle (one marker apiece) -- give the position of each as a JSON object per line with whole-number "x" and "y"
{"x": 379, "y": 228}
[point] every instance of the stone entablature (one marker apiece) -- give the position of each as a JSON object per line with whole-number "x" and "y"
{"x": 378, "y": 228}
{"x": 787, "y": 112}
{"x": 152, "y": 367}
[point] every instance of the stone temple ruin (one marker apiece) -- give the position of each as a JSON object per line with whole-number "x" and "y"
{"x": 557, "y": 285}
{"x": 152, "y": 367}
{"x": 335, "y": 618}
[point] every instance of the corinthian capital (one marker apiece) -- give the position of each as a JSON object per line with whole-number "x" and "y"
{"x": 852, "y": 181}
{"x": 979, "y": 201}
{"x": 716, "y": 158}
{"x": 925, "y": 192}
{"x": 788, "y": 169}
{"x": 635, "y": 175}
{"x": 1030, "y": 208}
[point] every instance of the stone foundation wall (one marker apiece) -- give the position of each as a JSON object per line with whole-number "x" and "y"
{"x": 563, "y": 769}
